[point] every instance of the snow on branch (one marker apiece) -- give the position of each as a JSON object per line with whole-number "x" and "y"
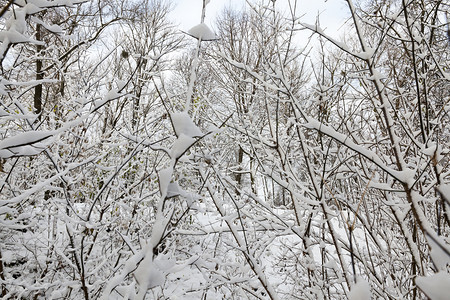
{"x": 365, "y": 55}
{"x": 436, "y": 287}
{"x": 202, "y": 32}
{"x": 25, "y": 144}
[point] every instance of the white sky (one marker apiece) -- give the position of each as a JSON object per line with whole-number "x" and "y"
{"x": 332, "y": 12}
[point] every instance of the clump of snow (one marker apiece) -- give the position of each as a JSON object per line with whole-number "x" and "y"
{"x": 367, "y": 54}
{"x": 183, "y": 124}
{"x": 180, "y": 146}
{"x": 149, "y": 275}
{"x": 444, "y": 189}
{"x": 126, "y": 291}
{"x": 17, "y": 21}
{"x": 430, "y": 151}
{"x": 31, "y": 8}
{"x": 165, "y": 176}
{"x": 360, "y": 290}
{"x": 438, "y": 255}
{"x": 53, "y": 28}
{"x": 13, "y": 36}
{"x": 436, "y": 287}
{"x": 174, "y": 190}
{"x": 377, "y": 76}
{"x": 2, "y": 88}
{"x": 202, "y": 31}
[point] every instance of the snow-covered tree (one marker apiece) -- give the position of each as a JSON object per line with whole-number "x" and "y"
{"x": 138, "y": 161}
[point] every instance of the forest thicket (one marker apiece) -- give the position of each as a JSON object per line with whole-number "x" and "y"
{"x": 259, "y": 159}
